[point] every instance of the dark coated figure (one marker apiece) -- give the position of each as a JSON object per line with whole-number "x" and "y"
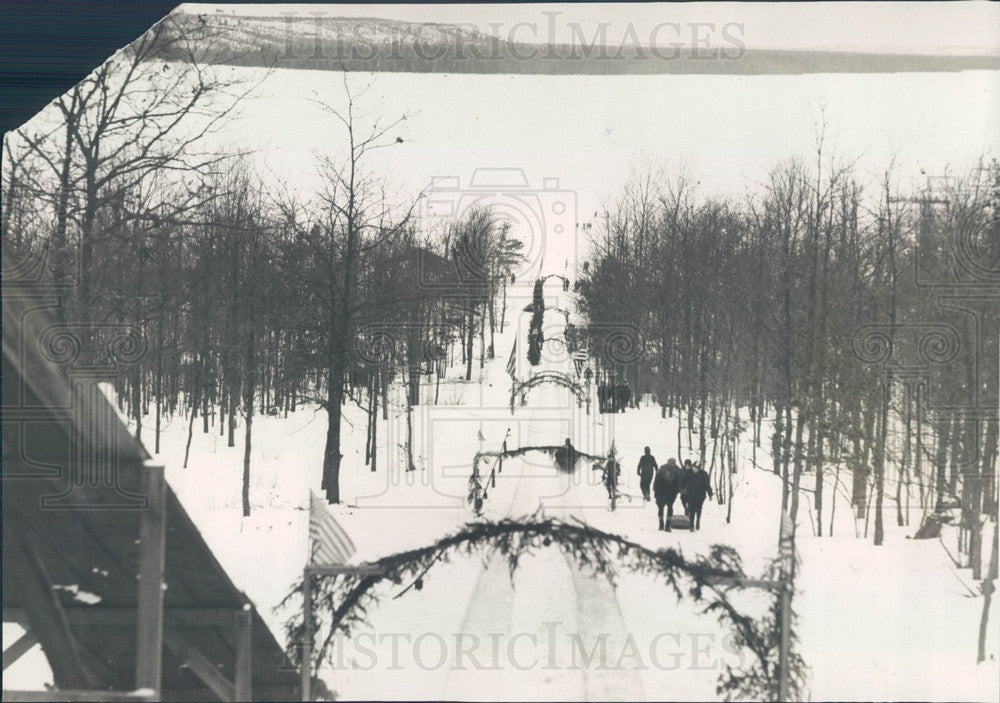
{"x": 686, "y": 471}
{"x": 566, "y": 456}
{"x": 612, "y": 471}
{"x": 666, "y": 486}
{"x": 697, "y": 485}
{"x": 646, "y": 469}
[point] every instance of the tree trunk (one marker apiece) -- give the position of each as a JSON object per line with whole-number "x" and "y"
{"x": 332, "y": 455}
{"x": 880, "y": 460}
{"x": 786, "y": 458}
{"x": 374, "y": 418}
{"x": 137, "y": 400}
{"x": 989, "y": 585}
{"x": 470, "y": 336}
{"x": 778, "y": 447}
{"x": 919, "y": 449}
{"x": 989, "y": 467}
{"x": 194, "y": 412}
{"x": 680, "y": 418}
{"x": 973, "y": 508}
{"x": 957, "y": 444}
{"x": 492, "y": 304}
{"x": 482, "y": 342}
{"x": 368, "y": 424}
{"x": 904, "y": 468}
{"x": 503, "y": 308}
{"x": 833, "y": 498}
{"x": 203, "y": 391}
{"x": 941, "y": 458}
{"x": 862, "y": 450}
{"x": 816, "y": 459}
{"x": 248, "y": 404}
{"x": 410, "y": 466}
{"x": 159, "y": 375}
{"x": 800, "y": 421}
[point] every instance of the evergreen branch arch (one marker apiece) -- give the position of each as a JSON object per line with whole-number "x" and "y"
{"x": 538, "y": 379}
{"x": 342, "y": 603}
{"x": 565, "y": 281}
{"x": 478, "y": 491}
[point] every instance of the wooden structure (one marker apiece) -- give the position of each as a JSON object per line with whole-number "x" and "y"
{"x": 542, "y": 377}
{"x": 101, "y": 564}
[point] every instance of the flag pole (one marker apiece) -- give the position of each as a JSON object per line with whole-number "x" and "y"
{"x": 329, "y": 544}
{"x": 786, "y": 551}
{"x": 308, "y": 636}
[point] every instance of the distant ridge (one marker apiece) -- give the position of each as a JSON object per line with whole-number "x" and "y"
{"x": 383, "y": 45}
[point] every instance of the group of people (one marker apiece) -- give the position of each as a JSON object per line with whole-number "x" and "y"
{"x": 690, "y": 482}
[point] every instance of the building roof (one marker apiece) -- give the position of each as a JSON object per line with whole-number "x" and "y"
{"x": 72, "y": 489}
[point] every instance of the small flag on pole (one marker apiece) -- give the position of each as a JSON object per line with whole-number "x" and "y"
{"x": 512, "y": 361}
{"x": 329, "y": 545}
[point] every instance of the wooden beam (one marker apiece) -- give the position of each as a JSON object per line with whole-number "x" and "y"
{"x": 344, "y": 569}
{"x": 305, "y": 667}
{"x": 149, "y": 622}
{"x": 243, "y": 675}
{"x": 263, "y": 693}
{"x": 73, "y": 666}
{"x": 200, "y": 666}
{"x": 70, "y": 695}
{"x": 17, "y": 650}
{"x": 743, "y": 582}
{"x": 101, "y": 616}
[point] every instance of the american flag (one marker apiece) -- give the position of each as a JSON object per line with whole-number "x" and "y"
{"x": 329, "y": 545}
{"x": 512, "y": 361}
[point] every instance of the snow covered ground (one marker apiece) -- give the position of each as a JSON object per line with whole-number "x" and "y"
{"x": 889, "y": 622}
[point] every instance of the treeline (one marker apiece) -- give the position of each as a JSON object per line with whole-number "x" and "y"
{"x": 847, "y": 321}
{"x": 247, "y": 298}
{"x": 257, "y": 304}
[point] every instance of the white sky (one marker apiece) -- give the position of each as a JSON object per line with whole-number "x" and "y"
{"x": 933, "y": 27}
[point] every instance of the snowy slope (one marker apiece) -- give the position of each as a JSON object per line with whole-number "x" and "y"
{"x": 893, "y": 622}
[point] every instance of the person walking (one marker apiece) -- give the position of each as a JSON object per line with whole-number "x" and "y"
{"x": 666, "y": 485}
{"x": 645, "y": 471}
{"x": 697, "y": 485}
{"x": 612, "y": 470}
{"x": 686, "y": 472}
